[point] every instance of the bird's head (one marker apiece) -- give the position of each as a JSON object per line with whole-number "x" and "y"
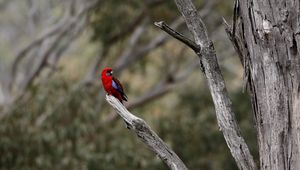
{"x": 107, "y": 72}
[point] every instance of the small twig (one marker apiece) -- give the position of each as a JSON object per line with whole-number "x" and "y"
{"x": 235, "y": 13}
{"x": 147, "y": 136}
{"x": 162, "y": 25}
{"x": 233, "y": 39}
{"x": 241, "y": 51}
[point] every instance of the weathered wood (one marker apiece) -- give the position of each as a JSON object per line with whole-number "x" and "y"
{"x": 269, "y": 31}
{"x": 147, "y": 135}
{"x": 208, "y": 59}
{"x": 162, "y": 25}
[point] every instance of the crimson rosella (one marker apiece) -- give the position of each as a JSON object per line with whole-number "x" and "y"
{"x": 112, "y": 85}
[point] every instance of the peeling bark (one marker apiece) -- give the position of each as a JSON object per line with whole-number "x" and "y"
{"x": 269, "y": 33}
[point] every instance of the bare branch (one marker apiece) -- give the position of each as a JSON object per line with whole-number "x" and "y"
{"x": 208, "y": 59}
{"x": 162, "y": 25}
{"x": 144, "y": 50}
{"x": 147, "y": 136}
{"x": 149, "y": 96}
{"x": 239, "y": 47}
{"x": 235, "y": 13}
{"x": 232, "y": 37}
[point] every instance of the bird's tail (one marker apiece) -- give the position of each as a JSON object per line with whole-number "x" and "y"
{"x": 124, "y": 97}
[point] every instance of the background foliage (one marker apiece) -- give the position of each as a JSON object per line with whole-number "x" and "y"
{"x": 59, "y": 122}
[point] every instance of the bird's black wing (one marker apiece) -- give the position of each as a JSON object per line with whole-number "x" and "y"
{"x": 118, "y": 86}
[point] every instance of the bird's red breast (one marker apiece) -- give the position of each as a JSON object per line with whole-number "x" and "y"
{"x": 112, "y": 85}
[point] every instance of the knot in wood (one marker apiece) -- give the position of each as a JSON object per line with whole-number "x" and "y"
{"x": 139, "y": 124}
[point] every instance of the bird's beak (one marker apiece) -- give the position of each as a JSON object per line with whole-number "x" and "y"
{"x": 111, "y": 72}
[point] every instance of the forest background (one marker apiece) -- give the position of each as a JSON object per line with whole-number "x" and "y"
{"x": 52, "y": 109}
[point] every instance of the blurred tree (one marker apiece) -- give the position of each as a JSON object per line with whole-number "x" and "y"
{"x": 60, "y": 21}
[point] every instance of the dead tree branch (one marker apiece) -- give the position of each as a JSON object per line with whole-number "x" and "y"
{"x": 208, "y": 59}
{"x": 147, "y": 136}
{"x": 162, "y": 25}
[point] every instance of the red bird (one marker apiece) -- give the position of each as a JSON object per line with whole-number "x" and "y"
{"x": 112, "y": 85}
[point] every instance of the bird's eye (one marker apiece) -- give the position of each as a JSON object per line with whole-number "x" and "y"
{"x": 109, "y": 73}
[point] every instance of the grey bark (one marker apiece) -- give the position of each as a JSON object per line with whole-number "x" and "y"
{"x": 147, "y": 135}
{"x": 268, "y": 38}
{"x": 209, "y": 65}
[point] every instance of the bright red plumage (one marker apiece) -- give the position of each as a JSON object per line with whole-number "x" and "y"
{"x": 112, "y": 85}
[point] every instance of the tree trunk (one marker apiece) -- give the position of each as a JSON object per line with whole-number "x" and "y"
{"x": 268, "y": 34}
